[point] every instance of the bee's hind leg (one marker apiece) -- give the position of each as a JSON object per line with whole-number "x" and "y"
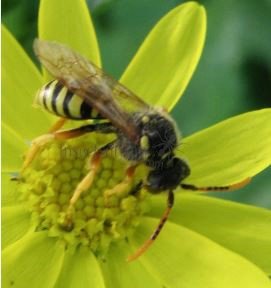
{"x": 42, "y": 140}
{"x": 87, "y": 181}
{"x": 58, "y": 125}
{"x": 36, "y": 145}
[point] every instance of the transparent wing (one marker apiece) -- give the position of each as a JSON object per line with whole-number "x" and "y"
{"x": 110, "y": 98}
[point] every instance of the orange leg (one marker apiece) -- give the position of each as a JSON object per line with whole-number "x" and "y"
{"x": 157, "y": 231}
{"x": 87, "y": 181}
{"x": 123, "y": 185}
{"x": 42, "y": 140}
{"x": 164, "y": 218}
{"x": 58, "y": 125}
{"x": 35, "y": 148}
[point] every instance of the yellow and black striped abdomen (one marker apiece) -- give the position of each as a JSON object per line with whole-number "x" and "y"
{"x": 57, "y": 99}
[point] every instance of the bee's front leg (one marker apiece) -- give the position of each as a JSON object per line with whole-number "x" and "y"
{"x": 123, "y": 185}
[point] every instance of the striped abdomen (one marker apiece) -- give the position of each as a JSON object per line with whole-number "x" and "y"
{"x": 57, "y": 99}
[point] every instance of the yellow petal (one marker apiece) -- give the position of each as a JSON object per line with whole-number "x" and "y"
{"x": 230, "y": 151}
{"x": 243, "y": 229}
{"x": 182, "y": 258}
{"x": 13, "y": 147}
{"x": 118, "y": 273}
{"x": 69, "y": 22}
{"x": 164, "y": 64}
{"x": 20, "y": 82}
{"x": 15, "y": 224}
{"x": 33, "y": 261}
{"x": 10, "y": 193}
{"x": 80, "y": 269}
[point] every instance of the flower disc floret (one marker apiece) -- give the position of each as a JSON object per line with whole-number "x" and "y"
{"x": 97, "y": 219}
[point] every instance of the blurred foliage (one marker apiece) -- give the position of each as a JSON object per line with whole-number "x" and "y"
{"x": 234, "y": 75}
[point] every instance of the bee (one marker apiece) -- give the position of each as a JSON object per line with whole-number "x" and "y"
{"x": 144, "y": 134}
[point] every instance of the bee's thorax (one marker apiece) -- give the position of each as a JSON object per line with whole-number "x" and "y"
{"x": 157, "y": 139}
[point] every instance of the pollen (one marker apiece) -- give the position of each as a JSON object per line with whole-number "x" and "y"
{"x": 98, "y": 219}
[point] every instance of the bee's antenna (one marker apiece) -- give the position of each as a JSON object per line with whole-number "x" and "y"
{"x": 216, "y": 188}
{"x": 147, "y": 244}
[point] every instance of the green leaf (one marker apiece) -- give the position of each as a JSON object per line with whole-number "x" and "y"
{"x": 243, "y": 229}
{"x": 182, "y": 258}
{"x": 13, "y": 147}
{"x": 20, "y": 82}
{"x": 229, "y": 151}
{"x": 15, "y": 224}
{"x": 164, "y": 64}
{"x": 118, "y": 273}
{"x": 80, "y": 270}
{"x": 33, "y": 261}
{"x": 69, "y": 22}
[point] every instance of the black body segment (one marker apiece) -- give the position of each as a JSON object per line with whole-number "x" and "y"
{"x": 58, "y": 100}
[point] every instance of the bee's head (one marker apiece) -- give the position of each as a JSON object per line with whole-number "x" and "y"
{"x": 168, "y": 175}
{"x": 158, "y": 136}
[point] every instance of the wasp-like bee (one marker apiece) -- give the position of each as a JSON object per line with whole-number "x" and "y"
{"x": 145, "y": 135}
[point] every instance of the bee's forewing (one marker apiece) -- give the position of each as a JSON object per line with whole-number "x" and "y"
{"x": 110, "y": 98}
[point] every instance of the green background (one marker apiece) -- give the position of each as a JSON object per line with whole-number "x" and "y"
{"x": 233, "y": 76}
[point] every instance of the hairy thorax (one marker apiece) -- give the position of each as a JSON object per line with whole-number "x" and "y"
{"x": 158, "y": 138}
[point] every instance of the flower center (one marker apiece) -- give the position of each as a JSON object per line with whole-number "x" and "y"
{"x": 49, "y": 182}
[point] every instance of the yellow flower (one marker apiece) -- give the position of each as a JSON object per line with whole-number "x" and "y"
{"x": 200, "y": 244}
